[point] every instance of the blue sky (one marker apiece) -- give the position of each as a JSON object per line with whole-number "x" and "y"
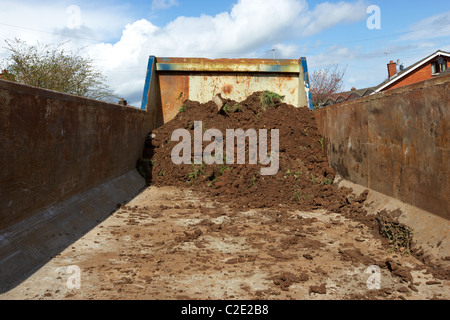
{"x": 120, "y": 35}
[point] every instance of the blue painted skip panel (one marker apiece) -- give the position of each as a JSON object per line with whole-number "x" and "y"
{"x": 306, "y": 80}
{"x": 148, "y": 79}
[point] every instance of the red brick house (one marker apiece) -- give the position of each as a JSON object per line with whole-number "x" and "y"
{"x": 427, "y": 68}
{"x": 348, "y": 95}
{"x": 5, "y": 75}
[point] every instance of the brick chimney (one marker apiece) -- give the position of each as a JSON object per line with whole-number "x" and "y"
{"x": 123, "y": 102}
{"x": 392, "y": 68}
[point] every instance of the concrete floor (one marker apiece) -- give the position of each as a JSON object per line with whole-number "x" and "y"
{"x": 175, "y": 244}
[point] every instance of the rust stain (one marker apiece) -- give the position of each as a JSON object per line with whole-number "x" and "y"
{"x": 174, "y": 91}
{"x": 226, "y": 89}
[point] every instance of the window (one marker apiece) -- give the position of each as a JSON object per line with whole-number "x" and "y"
{"x": 443, "y": 66}
{"x": 438, "y": 66}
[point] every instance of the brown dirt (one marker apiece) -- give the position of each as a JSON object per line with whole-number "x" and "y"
{"x": 304, "y": 180}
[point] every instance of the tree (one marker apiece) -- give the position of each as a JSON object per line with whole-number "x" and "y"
{"x": 325, "y": 82}
{"x": 53, "y": 68}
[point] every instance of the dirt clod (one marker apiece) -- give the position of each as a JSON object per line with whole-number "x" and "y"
{"x": 321, "y": 289}
{"x": 286, "y": 279}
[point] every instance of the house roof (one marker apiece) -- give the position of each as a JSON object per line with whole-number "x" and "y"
{"x": 406, "y": 71}
{"x": 347, "y": 95}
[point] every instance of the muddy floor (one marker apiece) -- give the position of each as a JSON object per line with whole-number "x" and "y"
{"x": 176, "y": 244}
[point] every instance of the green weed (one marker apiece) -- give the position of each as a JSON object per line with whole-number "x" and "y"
{"x": 197, "y": 170}
{"x": 399, "y": 235}
{"x": 305, "y": 132}
{"x": 223, "y": 169}
{"x": 299, "y": 196}
{"x": 295, "y": 174}
{"x": 266, "y": 99}
{"x": 231, "y": 109}
{"x": 288, "y": 174}
{"x": 321, "y": 143}
{"x": 253, "y": 181}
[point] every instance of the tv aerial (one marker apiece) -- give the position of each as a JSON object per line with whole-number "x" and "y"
{"x": 400, "y": 65}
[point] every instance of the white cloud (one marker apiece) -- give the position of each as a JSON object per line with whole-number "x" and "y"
{"x": 51, "y": 22}
{"x": 326, "y": 15}
{"x": 163, "y": 4}
{"x": 286, "y": 51}
{"x": 432, "y": 27}
{"x": 49, "y": 17}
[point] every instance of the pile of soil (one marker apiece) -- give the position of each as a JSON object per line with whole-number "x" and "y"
{"x": 304, "y": 180}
